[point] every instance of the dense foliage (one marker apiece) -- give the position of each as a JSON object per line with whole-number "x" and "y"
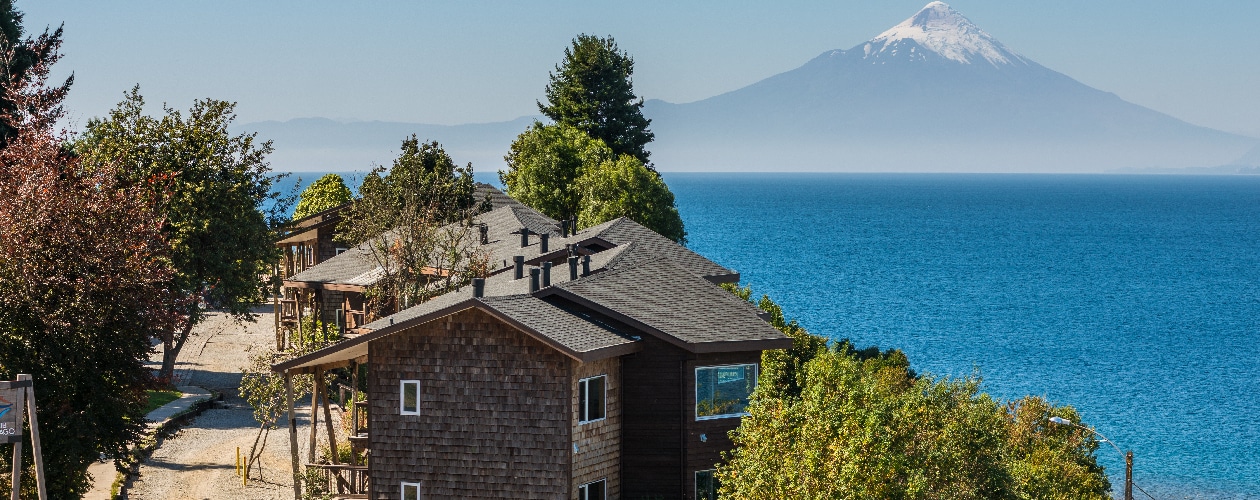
{"x": 592, "y": 91}
{"x": 625, "y": 188}
{"x": 415, "y": 223}
{"x": 830, "y": 421}
{"x": 217, "y": 186}
{"x": 84, "y": 275}
{"x": 22, "y": 60}
{"x": 565, "y": 173}
{"x": 327, "y": 192}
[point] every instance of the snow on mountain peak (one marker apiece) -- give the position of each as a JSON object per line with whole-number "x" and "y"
{"x": 941, "y": 29}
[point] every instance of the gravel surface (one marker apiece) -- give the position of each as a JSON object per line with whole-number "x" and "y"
{"x": 198, "y": 462}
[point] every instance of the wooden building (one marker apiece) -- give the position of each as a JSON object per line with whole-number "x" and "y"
{"x": 604, "y": 363}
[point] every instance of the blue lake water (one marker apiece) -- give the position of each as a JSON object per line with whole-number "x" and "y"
{"x": 1135, "y": 299}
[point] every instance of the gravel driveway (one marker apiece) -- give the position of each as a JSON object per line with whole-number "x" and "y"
{"x": 198, "y": 462}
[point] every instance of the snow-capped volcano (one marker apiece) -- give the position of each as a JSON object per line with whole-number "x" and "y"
{"x": 940, "y": 29}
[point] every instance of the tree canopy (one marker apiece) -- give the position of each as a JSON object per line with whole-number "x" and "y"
{"x": 408, "y": 219}
{"x": 626, "y": 188}
{"x": 327, "y": 192}
{"x": 21, "y": 60}
{"x": 84, "y": 274}
{"x": 212, "y": 188}
{"x": 592, "y": 90}
{"x": 831, "y": 421}
{"x": 544, "y": 164}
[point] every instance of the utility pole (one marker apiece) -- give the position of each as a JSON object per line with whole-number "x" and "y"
{"x": 1128, "y": 476}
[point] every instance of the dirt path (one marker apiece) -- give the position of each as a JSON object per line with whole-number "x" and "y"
{"x": 198, "y": 462}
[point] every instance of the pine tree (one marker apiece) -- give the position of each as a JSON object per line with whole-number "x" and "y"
{"x": 591, "y": 90}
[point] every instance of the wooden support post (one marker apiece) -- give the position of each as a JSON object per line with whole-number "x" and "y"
{"x": 275, "y": 306}
{"x": 293, "y": 444}
{"x": 299, "y": 296}
{"x": 332, "y": 435}
{"x": 315, "y": 380}
{"x": 33, "y": 418}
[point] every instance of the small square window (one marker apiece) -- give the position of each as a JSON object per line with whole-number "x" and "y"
{"x": 597, "y": 490}
{"x": 723, "y": 391}
{"x": 341, "y": 250}
{"x": 706, "y": 485}
{"x": 409, "y": 397}
{"x": 591, "y": 397}
{"x": 410, "y": 491}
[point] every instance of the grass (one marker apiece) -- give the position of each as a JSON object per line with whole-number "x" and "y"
{"x": 159, "y": 398}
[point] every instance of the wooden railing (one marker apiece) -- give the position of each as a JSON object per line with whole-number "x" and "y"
{"x": 288, "y": 310}
{"x": 344, "y": 479}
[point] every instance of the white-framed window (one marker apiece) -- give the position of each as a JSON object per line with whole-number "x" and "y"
{"x": 592, "y": 396}
{"x": 341, "y": 250}
{"x": 597, "y": 490}
{"x": 410, "y": 491}
{"x": 706, "y": 485}
{"x": 723, "y": 391}
{"x": 409, "y": 397}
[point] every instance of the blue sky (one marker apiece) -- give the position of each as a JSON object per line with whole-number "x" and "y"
{"x": 481, "y": 61}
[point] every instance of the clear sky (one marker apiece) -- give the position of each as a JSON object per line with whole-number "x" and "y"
{"x": 481, "y": 61}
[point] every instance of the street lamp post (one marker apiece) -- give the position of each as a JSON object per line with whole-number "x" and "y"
{"x": 1128, "y": 456}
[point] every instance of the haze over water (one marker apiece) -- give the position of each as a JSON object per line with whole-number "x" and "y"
{"x": 1135, "y": 299}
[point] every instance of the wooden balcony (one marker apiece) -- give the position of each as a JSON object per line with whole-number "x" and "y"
{"x": 344, "y": 481}
{"x": 288, "y": 311}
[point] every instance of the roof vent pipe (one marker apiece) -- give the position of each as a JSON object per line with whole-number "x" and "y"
{"x": 524, "y": 237}
{"x": 546, "y": 274}
{"x": 564, "y": 228}
{"x": 519, "y": 264}
{"x": 542, "y": 242}
{"x": 586, "y": 265}
{"x": 573, "y": 226}
{"x": 479, "y": 287}
{"x": 573, "y": 267}
{"x": 533, "y": 279}
{"x": 485, "y": 233}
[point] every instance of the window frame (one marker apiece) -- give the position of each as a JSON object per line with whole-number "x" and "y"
{"x": 402, "y": 493}
{"x": 586, "y": 495}
{"x": 696, "y": 389}
{"x": 402, "y": 397}
{"x": 584, "y": 397}
{"x": 712, "y": 482}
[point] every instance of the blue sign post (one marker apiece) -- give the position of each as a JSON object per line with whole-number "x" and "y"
{"x": 12, "y": 396}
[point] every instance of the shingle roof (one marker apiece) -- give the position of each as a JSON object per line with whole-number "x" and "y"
{"x": 575, "y": 332}
{"x": 351, "y": 267}
{"x": 668, "y": 299}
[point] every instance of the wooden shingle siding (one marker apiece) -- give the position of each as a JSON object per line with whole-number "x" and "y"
{"x": 599, "y": 442}
{"x": 495, "y": 412}
{"x": 652, "y": 418}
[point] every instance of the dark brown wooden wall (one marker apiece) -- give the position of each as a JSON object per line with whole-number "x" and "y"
{"x": 652, "y": 421}
{"x": 495, "y": 409}
{"x": 703, "y": 455}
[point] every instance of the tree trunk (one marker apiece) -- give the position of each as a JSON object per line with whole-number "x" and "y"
{"x": 171, "y": 345}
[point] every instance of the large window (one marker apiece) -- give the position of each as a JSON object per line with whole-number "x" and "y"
{"x": 591, "y": 399}
{"x": 706, "y": 485}
{"x": 411, "y": 491}
{"x": 409, "y": 397}
{"x": 723, "y": 391}
{"x": 597, "y": 490}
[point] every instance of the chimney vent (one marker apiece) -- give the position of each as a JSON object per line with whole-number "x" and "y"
{"x": 479, "y": 287}
{"x": 524, "y": 237}
{"x": 542, "y": 242}
{"x": 546, "y": 274}
{"x": 533, "y": 279}
{"x": 573, "y": 267}
{"x": 485, "y": 233}
{"x": 564, "y": 228}
{"x": 519, "y": 264}
{"x": 586, "y": 265}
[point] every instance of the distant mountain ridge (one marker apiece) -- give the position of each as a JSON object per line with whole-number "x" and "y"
{"x": 933, "y": 93}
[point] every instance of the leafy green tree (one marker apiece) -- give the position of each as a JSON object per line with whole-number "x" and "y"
{"x": 592, "y": 90}
{"x": 831, "y": 421}
{"x": 212, "y": 187}
{"x": 20, "y": 56}
{"x": 414, "y": 221}
{"x": 544, "y": 165}
{"x": 84, "y": 272}
{"x": 625, "y": 188}
{"x": 327, "y": 192}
